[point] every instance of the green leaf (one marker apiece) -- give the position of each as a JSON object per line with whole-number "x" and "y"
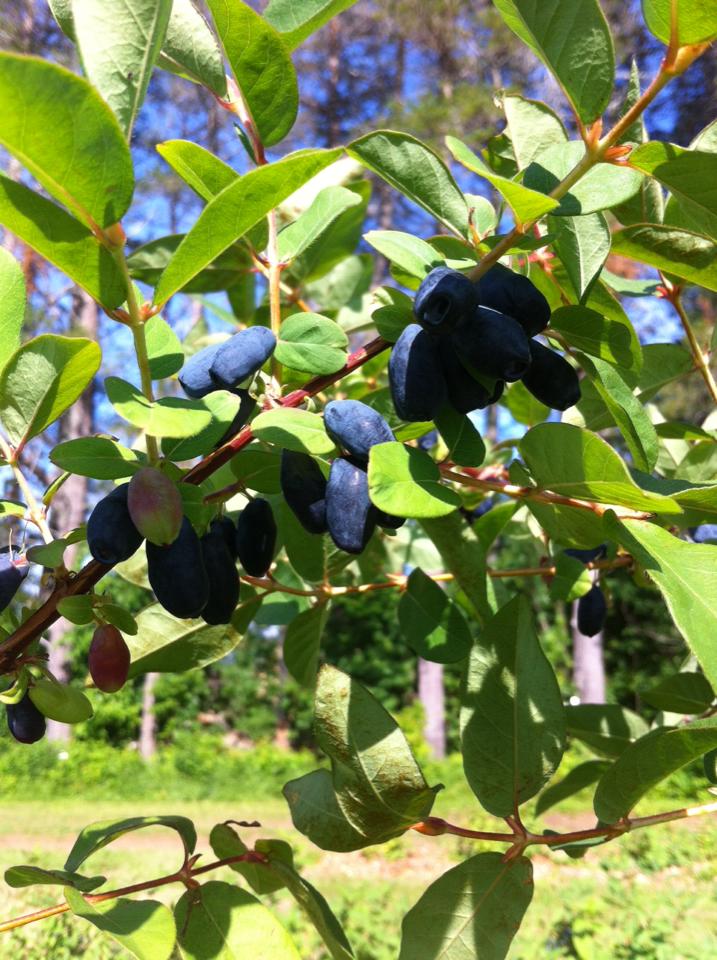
{"x": 688, "y": 255}
{"x": 222, "y": 406}
{"x": 326, "y": 207}
{"x": 579, "y": 778}
{"x": 473, "y": 911}
{"x": 60, "y": 702}
{"x": 688, "y": 693}
{"x": 43, "y": 379}
{"x": 571, "y": 579}
{"x": 603, "y": 186}
{"x": 532, "y": 126}
{"x": 145, "y": 928}
{"x": 576, "y": 463}
{"x": 119, "y": 42}
{"x": 628, "y": 412}
{"x": 235, "y": 210}
{"x": 98, "y": 457}
{"x": 524, "y": 407}
{"x": 324, "y": 261}
{"x": 573, "y": 40}
{"x": 376, "y": 789}
{"x": 205, "y": 173}
{"x": 416, "y": 172}
{"x": 583, "y": 245}
{"x": 608, "y": 728}
{"x": 99, "y": 834}
{"x": 431, "y": 622}
{"x": 12, "y": 305}
{"x": 164, "y": 644}
{"x": 190, "y": 48}
{"x": 302, "y": 644}
{"x": 220, "y": 920}
{"x": 258, "y": 468}
{"x": 261, "y": 65}
{"x": 527, "y": 205}
{"x": 512, "y": 720}
{"x": 405, "y": 482}
{"x": 29, "y": 876}
{"x": 411, "y": 254}
{"x": 307, "y": 555}
{"x": 297, "y": 21}
{"x": 463, "y": 554}
{"x": 608, "y": 338}
{"x": 262, "y": 878}
{"x": 163, "y": 348}
{"x": 395, "y": 312}
{"x": 686, "y": 574}
{"x": 12, "y": 508}
{"x": 66, "y": 136}
{"x": 688, "y": 175}
{"x": 464, "y": 442}
{"x": 648, "y": 761}
{"x": 696, "y": 20}
{"x": 293, "y": 430}
{"x": 62, "y": 240}
{"x": 311, "y": 343}
{"x": 169, "y": 417}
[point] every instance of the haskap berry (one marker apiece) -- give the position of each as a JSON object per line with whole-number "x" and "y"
{"x": 418, "y": 386}
{"x": 444, "y": 297}
{"x": 355, "y": 427}
{"x": 304, "y": 488}
{"x": 551, "y": 379}
{"x": 350, "y": 515}
{"x": 111, "y": 535}
{"x": 514, "y": 295}
{"x": 241, "y": 356}
{"x": 256, "y": 537}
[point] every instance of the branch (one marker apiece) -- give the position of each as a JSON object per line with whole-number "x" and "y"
{"x": 701, "y": 358}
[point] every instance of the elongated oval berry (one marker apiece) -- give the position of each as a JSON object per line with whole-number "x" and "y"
{"x": 60, "y": 702}
{"x": 222, "y": 574}
{"x": 111, "y": 535}
{"x": 444, "y": 297}
{"x": 13, "y": 571}
{"x": 355, "y": 427}
{"x": 592, "y": 610}
{"x": 226, "y": 526}
{"x": 388, "y": 521}
{"x": 25, "y": 722}
{"x": 350, "y": 515}
{"x": 418, "y": 387}
{"x": 194, "y": 377}
{"x": 492, "y": 344}
{"x": 551, "y": 379}
{"x": 464, "y": 391}
{"x": 177, "y": 575}
{"x": 516, "y": 295}
{"x": 705, "y": 533}
{"x": 155, "y": 506}
{"x": 256, "y": 537}
{"x": 304, "y": 488}
{"x": 241, "y": 356}
{"x": 108, "y": 659}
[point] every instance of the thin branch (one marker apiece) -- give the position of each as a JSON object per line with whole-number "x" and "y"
{"x": 701, "y": 357}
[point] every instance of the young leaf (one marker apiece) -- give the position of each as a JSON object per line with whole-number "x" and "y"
{"x": 431, "y": 622}
{"x": 262, "y": 877}
{"x": 579, "y": 778}
{"x": 41, "y": 380}
{"x": 62, "y": 240}
{"x": 688, "y": 175}
{"x": 168, "y": 417}
{"x": 145, "y": 928}
{"x": 29, "y": 876}
{"x": 573, "y": 40}
{"x": 416, "y": 172}
{"x": 472, "y": 911}
{"x": 119, "y": 42}
{"x": 235, "y": 210}
{"x": 576, "y": 463}
{"x": 688, "y": 255}
{"x": 602, "y": 187}
{"x": 405, "y": 482}
{"x": 205, "y": 173}
{"x": 609, "y": 338}
{"x": 571, "y": 579}
{"x": 261, "y": 65}
{"x": 411, "y": 254}
{"x": 527, "y": 205}
{"x": 98, "y": 835}
{"x": 164, "y": 644}
{"x": 302, "y": 644}
{"x": 512, "y": 719}
{"x": 190, "y": 48}
{"x": 296, "y": 22}
{"x": 221, "y": 920}
{"x": 533, "y": 127}
{"x": 12, "y": 305}
{"x": 98, "y": 457}
{"x": 222, "y": 407}
{"x": 311, "y": 343}
{"x": 67, "y": 137}
{"x": 327, "y": 206}
{"x": 606, "y": 727}
{"x": 648, "y": 761}
{"x": 294, "y": 430}
{"x": 458, "y": 432}
{"x": 696, "y": 20}
{"x": 583, "y": 245}
{"x": 686, "y": 574}
{"x": 689, "y": 693}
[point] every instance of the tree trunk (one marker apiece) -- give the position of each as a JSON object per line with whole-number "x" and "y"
{"x": 431, "y": 695}
{"x": 588, "y": 663}
{"x": 69, "y": 505}
{"x": 148, "y": 726}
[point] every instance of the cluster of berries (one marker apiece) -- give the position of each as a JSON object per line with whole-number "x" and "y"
{"x": 472, "y": 338}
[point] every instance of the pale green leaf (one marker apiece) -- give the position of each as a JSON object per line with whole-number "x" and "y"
{"x": 609, "y": 338}
{"x": 294, "y": 430}
{"x": 311, "y": 343}
{"x": 533, "y": 127}
{"x": 204, "y": 172}
{"x": 145, "y": 928}
{"x": 169, "y": 417}
{"x": 296, "y": 21}
{"x": 688, "y": 255}
{"x": 12, "y": 305}
{"x": 405, "y": 482}
{"x": 190, "y": 48}
{"x": 328, "y": 204}
{"x": 583, "y": 245}
{"x": 579, "y": 778}
{"x": 607, "y": 728}
{"x": 696, "y": 20}
{"x": 164, "y": 644}
{"x": 302, "y": 643}
{"x": 99, "y": 457}
{"x": 97, "y": 835}
{"x": 409, "y": 253}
